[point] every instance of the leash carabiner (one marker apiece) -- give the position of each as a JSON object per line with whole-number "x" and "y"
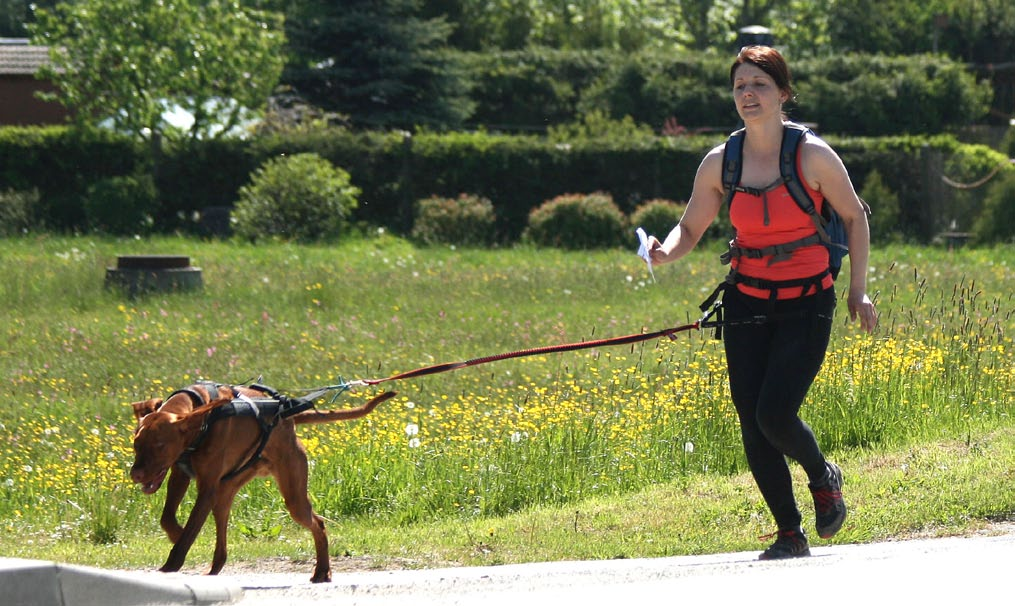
{"x": 706, "y": 322}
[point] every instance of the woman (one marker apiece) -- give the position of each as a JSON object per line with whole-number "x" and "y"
{"x": 773, "y": 361}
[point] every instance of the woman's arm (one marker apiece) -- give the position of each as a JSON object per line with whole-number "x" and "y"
{"x": 701, "y": 210}
{"x": 825, "y": 172}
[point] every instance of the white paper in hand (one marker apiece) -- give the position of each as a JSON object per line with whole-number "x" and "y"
{"x": 643, "y": 251}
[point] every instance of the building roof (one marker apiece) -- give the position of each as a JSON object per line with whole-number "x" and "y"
{"x": 17, "y": 56}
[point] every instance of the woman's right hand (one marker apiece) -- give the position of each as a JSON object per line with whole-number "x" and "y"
{"x": 655, "y": 251}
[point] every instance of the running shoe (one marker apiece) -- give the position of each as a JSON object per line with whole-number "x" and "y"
{"x": 829, "y": 508}
{"x": 788, "y": 544}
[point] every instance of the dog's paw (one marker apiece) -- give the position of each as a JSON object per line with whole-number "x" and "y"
{"x": 321, "y": 578}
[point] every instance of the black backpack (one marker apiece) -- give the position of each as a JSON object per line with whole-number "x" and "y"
{"x": 830, "y": 228}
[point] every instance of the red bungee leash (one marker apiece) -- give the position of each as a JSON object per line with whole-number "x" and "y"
{"x": 437, "y": 368}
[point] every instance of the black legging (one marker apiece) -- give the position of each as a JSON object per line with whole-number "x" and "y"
{"x": 771, "y": 367}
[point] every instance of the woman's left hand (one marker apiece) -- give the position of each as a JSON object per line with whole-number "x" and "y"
{"x": 862, "y": 308}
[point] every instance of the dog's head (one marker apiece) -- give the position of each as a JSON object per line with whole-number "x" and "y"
{"x": 159, "y": 440}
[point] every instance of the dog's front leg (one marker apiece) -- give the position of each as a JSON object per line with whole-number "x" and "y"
{"x": 202, "y": 507}
{"x": 223, "y": 505}
{"x": 176, "y": 489}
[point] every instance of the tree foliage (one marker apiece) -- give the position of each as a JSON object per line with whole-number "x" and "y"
{"x": 892, "y": 27}
{"x": 12, "y": 18}
{"x": 377, "y": 61}
{"x": 129, "y": 61}
{"x": 982, "y": 31}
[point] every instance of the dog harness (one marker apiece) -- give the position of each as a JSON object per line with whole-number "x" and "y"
{"x": 267, "y": 412}
{"x": 210, "y": 386}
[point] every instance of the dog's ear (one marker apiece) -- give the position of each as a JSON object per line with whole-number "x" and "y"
{"x": 145, "y": 408}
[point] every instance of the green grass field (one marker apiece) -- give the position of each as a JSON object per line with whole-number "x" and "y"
{"x": 624, "y": 451}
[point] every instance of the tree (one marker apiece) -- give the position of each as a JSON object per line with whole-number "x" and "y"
{"x": 127, "y": 62}
{"x": 801, "y": 27}
{"x": 756, "y": 12}
{"x": 486, "y": 25}
{"x": 12, "y": 18}
{"x": 891, "y": 27}
{"x": 980, "y": 32}
{"x": 376, "y": 61}
{"x": 701, "y": 31}
{"x": 15, "y": 14}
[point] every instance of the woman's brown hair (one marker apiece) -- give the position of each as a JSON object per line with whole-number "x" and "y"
{"x": 768, "y": 60}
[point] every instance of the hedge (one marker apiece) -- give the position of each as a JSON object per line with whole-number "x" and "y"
{"x": 517, "y": 173}
{"x": 853, "y": 94}
{"x": 62, "y": 164}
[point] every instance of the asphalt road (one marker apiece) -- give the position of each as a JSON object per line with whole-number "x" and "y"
{"x": 966, "y": 570}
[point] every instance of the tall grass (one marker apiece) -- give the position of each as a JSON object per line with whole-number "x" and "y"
{"x": 481, "y": 441}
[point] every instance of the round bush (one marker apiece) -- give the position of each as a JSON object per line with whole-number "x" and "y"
{"x": 467, "y": 220}
{"x": 577, "y": 221}
{"x": 301, "y": 197}
{"x": 657, "y": 216}
{"x": 122, "y": 205}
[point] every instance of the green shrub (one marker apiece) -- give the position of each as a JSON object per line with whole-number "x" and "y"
{"x": 884, "y": 203}
{"x": 532, "y": 87}
{"x": 997, "y": 221}
{"x": 657, "y": 216}
{"x": 1007, "y": 146}
{"x": 62, "y": 162}
{"x": 846, "y": 93}
{"x": 577, "y": 221}
{"x": 865, "y": 94}
{"x": 18, "y": 211}
{"x": 597, "y": 126}
{"x": 467, "y": 220}
{"x": 122, "y": 205}
{"x": 301, "y": 197}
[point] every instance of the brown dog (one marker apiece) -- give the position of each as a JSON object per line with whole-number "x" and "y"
{"x": 224, "y": 452}
{"x": 181, "y": 402}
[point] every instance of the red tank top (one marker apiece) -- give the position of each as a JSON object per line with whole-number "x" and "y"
{"x": 774, "y": 218}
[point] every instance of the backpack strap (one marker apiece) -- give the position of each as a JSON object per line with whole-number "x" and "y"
{"x": 792, "y": 136}
{"x": 732, "y": 166}
{"x": 789, "y": 151}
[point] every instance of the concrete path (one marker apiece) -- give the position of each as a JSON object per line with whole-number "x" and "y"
{"x": 37, "y": 583}
{"x": 968, "y": 570}
{"x": 976, "y": 570}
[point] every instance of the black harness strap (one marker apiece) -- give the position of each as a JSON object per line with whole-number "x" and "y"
{"x": 773, "y": 286}
{"x": 777, "y": 252}
{"x": 732, "y": 168}
{"x": 210, "y": 386}
{"x": 714, "y": 301}
{"x": 267, "y": 413}
{"x": 195, "y": 398}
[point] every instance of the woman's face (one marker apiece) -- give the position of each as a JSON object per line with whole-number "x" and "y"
{"x": 755, "y": 92}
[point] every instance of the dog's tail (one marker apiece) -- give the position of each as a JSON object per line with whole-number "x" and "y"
{"x": 327, "y": 416}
